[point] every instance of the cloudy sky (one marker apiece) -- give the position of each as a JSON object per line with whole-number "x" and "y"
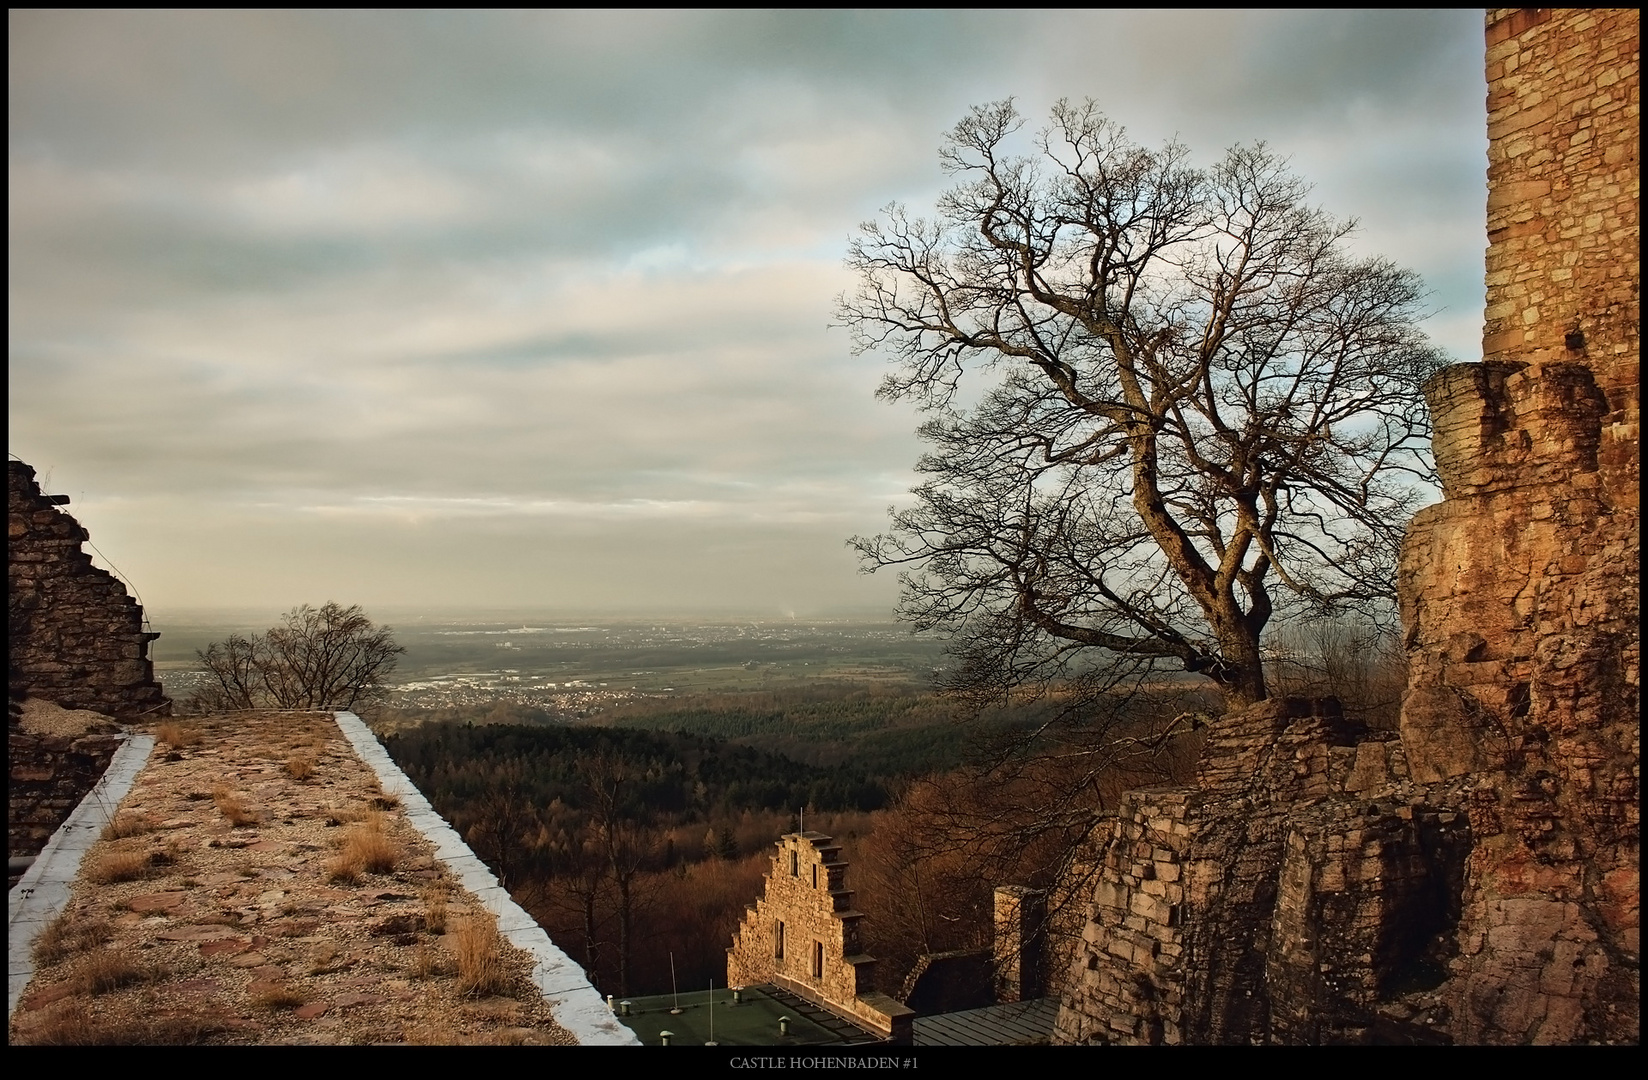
{"x": 533, "y": 309}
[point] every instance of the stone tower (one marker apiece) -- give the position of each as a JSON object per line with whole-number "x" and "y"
{"x": 1520, "y": 590}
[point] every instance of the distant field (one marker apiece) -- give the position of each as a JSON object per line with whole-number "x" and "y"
{"x": 523, "y": 657}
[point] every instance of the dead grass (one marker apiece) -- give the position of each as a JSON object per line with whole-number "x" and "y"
{"x": 65, "y": 936}
{"x": 431, "y": 1033}
{"x": 434, "y": 909}
{"x": 479, "y": 951}
{"x": 177, "y": 736}
{"x": 125, "y": 825}
{"x": 366, "y": 848}
{"x": 278, "y": 998}
{"x": 117, "y": 867}
{"x": 232, "y": 808}
{"x": 71, "y": 1023}
{"x": 426, "y": 963}
{"x": 326, "y": 957}
{"x": 103, "y": 972}
{"x": 300, "y": 768}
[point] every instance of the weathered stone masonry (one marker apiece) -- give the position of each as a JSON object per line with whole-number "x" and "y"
{"x": 803, "y": 936}
{"x": 73, "y": 637}
{"x": 74, "y": 634}
{"x": 1520, "y": 589}
{"x": 1477, "y": 879}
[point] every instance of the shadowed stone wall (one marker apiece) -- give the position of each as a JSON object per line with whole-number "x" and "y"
{"x": 74, "y": 634}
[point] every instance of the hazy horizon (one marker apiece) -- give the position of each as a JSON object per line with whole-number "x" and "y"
{"x": 531, "y": 310}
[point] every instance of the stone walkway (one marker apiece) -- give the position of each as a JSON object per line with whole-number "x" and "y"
{"x": 258, "y": 886}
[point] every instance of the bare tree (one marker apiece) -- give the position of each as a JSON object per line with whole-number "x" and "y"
{"x": 332, "y": 656}
{"x": 1206, "y": 412}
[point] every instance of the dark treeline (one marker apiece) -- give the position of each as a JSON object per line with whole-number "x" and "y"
{"x": 888, "y": 732}
{"x": 677, "y": 775}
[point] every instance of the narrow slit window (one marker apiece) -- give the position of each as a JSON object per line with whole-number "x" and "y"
{"x": 818, "y": 959}
{"x": 815, "y": 877}
{"x": 778, "y": 940}
{"x": 795, "y": 865}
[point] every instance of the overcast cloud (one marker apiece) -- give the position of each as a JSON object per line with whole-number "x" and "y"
{"x": 532, "y": 309}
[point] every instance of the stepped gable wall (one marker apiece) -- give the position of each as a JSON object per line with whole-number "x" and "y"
{"x": 74, "y": 635}
{"x": 803, "y": 935}
{"x": 1476, "y": 878}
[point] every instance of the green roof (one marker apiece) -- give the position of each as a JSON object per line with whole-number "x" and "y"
{"x": 752, "y": 1022}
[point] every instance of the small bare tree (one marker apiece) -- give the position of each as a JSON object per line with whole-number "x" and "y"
{"x": 332, "y": 656}
{"x": 1207, "y": 412}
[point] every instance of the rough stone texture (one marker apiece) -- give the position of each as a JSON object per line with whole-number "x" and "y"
{"x": 1520, "y": 589}
{"x": 74, "y": 634}
{"x": 1301, "y": 891}
{"x": 803, "y": 935}
{"x": 1019, "y": 946}
{"x": 48, "y": 776}
{"x": 1477, "y": 879}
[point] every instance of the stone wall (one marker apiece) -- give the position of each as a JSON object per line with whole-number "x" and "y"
{"x": 74, "y": 634}
{"x": 803, "y": 935}
{"x": 1520, "y": 589}
{"x": 1477, "y": 879}
{"x": 47, "y": 776}
{"x": 1301, "y": 891}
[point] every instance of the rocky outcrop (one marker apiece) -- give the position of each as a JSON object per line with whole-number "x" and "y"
{"x": 1477, "y": 879}
{"x": 74, "y": 634}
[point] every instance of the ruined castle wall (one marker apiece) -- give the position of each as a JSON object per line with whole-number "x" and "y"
{"x": 818, "y": 953}
{"x": 74, "y": 634}
{"x": 1520, "y": 589}
{"x": 1477, "y": 880}
{"x": 1288, "y": 896}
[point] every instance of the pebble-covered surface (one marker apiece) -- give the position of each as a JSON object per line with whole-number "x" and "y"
{"x": 186, "y": 927}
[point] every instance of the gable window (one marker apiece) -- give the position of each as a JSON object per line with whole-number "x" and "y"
{"x": 795, "y": 865}
{"x": 778, "y": 940}
{"x": 815, "y": 877}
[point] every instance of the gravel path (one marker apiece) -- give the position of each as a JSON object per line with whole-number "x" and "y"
{"x": 235, "y": 901}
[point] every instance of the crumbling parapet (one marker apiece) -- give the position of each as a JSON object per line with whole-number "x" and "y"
{"x": 75, "y": 636}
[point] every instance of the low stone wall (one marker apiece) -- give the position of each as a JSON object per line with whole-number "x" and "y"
{"x": 48, "y": 776}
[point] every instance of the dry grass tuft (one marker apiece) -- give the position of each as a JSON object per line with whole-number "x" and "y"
{"x": 342, "y": 871}
{"x": 300, "y": 768}
{"x": 176, "y": 735}
{"x": 117, "y": 867}
{"x": 366, "y": 849}
{"x": 65, "y": 936}
{"x": 232, "y": 808}
{"x": 125, "y": 826}
{"x": 432, "y": 1033}
{"x": 103, "y": 972}
{"x": 326, "y": 957}
{"x": 71, "y": 1023}
{"x": 277, "y": 998}
{"x": 426, "y": 963}
{"x": 434, "y": 909}
{"x": 479, "y": 951}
